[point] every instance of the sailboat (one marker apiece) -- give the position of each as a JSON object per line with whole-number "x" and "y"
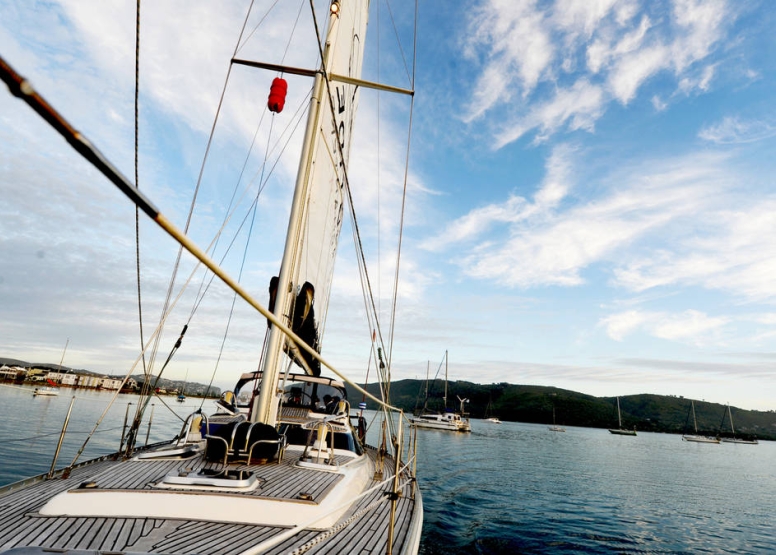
{"x": 555, "y": 427}
{"x": 182, "y": 394}
{"x": 735, "y": 439}
{"x": 695, "y": 437}
{"x": 489, "y": 417}
{"x": 449, "y": 420}
{"x": 52, "y": 389}
{"x": 284, "y": 472}
{"x": 620, "y": 431}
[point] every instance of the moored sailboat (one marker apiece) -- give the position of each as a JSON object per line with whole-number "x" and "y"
{"x": 489, "y": 416}
{"x": 284, "y": 472}
{"x": 733, "y": 438}
{"x": 696, "y": 437}
{"x": 619, "y": 430}
{"x": 555, "y": 427}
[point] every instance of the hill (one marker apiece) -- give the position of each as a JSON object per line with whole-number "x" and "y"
{"x": 532, "y": 403}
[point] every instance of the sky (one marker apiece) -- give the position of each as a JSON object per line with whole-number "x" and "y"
{"x": 590, "y": 194}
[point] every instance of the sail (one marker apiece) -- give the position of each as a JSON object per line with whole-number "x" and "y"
{"x": 325, "y": 179}
{"x": 300, "y": 294}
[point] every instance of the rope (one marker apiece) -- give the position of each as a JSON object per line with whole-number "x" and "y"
{"x": 137, "y": 178}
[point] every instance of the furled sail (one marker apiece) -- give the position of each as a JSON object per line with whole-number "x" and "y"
{"x": 301, "y": 296}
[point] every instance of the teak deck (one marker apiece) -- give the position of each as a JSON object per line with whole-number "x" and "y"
{"x": 22, "y": 526}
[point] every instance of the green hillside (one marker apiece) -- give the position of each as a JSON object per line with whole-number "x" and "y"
{"x": 531, "y": 403}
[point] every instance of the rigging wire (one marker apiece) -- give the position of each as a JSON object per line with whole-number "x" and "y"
{"x": 242, "y": 267}
{"x": 360, "y": 250}
{"x": 139, "y": 414}
{"x": 199, "y": 178}
{"x": 351, "y": 207}
{"x": 266, "y": 14}
{"x": 404, "y": 192}
{"x": 137, "y": 178}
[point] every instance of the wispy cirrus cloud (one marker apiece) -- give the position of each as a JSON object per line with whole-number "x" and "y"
{"x": 660, "y": 225}
{"x": 530, "y": 51}
{"x": 515, "y": 209}
{"x": 643, "y": 211}
{"x": 734, "y": 130}
{"x": 691, "y": 326}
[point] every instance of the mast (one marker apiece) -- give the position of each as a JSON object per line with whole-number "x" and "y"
{"x": 445, "y": 397}
{"x": 619, "y": 417}
{"x": 428, "y": 367}
{"x": 694, "y": 422}
{"x": 317, "y": 207}
{"x": 732, "y": 429}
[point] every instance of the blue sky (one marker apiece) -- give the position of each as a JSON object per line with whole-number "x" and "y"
{"x": 591, "y": 201}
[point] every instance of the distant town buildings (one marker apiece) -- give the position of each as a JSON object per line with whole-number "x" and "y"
{"x": 64, "y": 378}
{"x": 88, "y": 380}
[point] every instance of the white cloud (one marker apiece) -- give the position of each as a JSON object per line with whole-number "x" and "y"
{"x": 552, "y": 191}
{"x": 516, "y": 40}
{"x": 554, "y": 246}
{"x": 578, "y": 107}
{"x": 734, "y": 254}
{"x": 622, "y": 51}
{"x": 624, "y": 323}
{"x": 733, "y": 130}
{"x": 691, "y": 326}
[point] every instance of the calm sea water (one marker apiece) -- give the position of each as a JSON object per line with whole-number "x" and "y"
{"x": 508, "y": 488}
{"x": 519, "y": 488}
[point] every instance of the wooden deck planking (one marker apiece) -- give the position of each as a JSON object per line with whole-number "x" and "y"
{"x": 91, "y": 534}
{"x": 199, "y": 539}
{"x": 366, "y": 534}
{"x": 62, "y": 540}
{"x": 112, "y": 534}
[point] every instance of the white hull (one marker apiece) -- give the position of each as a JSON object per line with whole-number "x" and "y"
{"x": 742, "y": 441}
{"x": 621, "y": 432}
{"x": 556, "y": 428}
{"x": 701, "y": 439}
{"x": 45, "y": 391}
{"x": 493, "y": 420}
{"x": 447, "y": 422}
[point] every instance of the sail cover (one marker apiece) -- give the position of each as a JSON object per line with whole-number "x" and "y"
{"x": 324, "y": 181}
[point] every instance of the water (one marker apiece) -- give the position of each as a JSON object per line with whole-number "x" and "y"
{"x": 519, "y": 488}
{"x": 508, "y": 488}
{"x": 30, "y": 427}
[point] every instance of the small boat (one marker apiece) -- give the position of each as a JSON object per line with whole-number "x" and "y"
{"x": 620, "y": 431}
{"x": 45, "y": 391}
{"x": 182, "y": 394}
{"x": 489, "y": 415}
{"x": 695, "y": 437}
{"x": 449, "y": 420}
{"x": 735, "y": 439}
{"x": 555, "y": 427}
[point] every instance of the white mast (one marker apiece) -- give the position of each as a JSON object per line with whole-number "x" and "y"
{"x": 445, "y": 379}
{"x": 317, "y": 207}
